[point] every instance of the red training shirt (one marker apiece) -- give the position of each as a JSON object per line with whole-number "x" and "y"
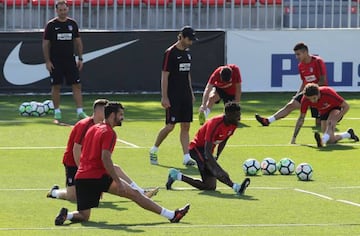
{"x": 214, "y": 131}
{"x": 328, "y": 100}
{"x": 311, "y": 72}
{"x": 99, "y": 137}
{"x": 228, "y": 87}
{"x": 76, "y": 136}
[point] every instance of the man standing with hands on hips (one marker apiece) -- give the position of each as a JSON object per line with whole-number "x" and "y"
{"x": 177, "y": 96}
{"x": 61, "y": 39}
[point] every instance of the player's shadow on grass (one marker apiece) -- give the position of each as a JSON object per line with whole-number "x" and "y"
{"x": 242, "y": 125}
{"x": 189, "y": 170}
{"x": 112, "y": 205}
{"x": 219, "y": 194}
{"x": 330, "y": 147}
{"x": 129, "y": 228}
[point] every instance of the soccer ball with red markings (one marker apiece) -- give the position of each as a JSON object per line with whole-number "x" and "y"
{"x": 251, "y": 166}
{"x": 286, "y": 166}
{"x": 268, "y": 166}
{"x": 304, "y": 172}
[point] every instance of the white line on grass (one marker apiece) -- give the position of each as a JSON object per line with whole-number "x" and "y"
{"x": 312, "y": 193}
{"x": 348, "y": 202}
{"x": 169, "y": 226}
{"x": 131, "y": 145}
{"x": 127, "y": 143}
{"x": 27, "y": 148}
{"x": 161, "y": 119}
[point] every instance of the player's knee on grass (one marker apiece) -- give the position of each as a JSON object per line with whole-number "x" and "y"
{"x": 210, "y": 185}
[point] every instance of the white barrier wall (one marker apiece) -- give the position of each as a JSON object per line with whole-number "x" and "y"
{"x": 267, "y": 61}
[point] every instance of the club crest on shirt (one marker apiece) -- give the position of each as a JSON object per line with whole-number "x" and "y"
{"x": 189, "y": 56}
{"x": 173, "y": 118}
{"x": 311, "y": 70}
{"x": 70, "y": 27}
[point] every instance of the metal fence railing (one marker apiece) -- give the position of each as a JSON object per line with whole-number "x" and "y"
{"x": 172, "y": 14}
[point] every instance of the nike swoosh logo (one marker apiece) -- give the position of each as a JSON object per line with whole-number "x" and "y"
{"x": 18, "y": 73}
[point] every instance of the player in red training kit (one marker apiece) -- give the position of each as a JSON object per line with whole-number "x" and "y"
{"x": 215, "y": 132}
{"x": 312, "y": 69}
{"x": 224, "y": 83}
{"x": 72, "y": 156}
{"x": 96, "y": 173}
{"x": 332, "y": 108}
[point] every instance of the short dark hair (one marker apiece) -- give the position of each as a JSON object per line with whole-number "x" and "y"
{"x": 225, "y": 73}
{"x": 232, "y": 107}
{"x": 60, "y": 2}
{"x": 311, "y": 89}
{"x": 100, "y": 102}
{"x": 111, "y": 107}
{"x": 301, "y": 46}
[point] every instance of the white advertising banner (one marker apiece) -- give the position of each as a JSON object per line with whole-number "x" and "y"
{"x": 268, "y": 64}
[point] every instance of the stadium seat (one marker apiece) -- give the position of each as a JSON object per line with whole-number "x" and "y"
{"x": 128, "y": 2}
{"x": 271, "y": 2}
{"x": 243, "y": 2}
{"x": 52, "y": 2}
{"x": 213, "y": 2}
{"x": 156, "y": 2}
{"x": 100, "y": 2}
{"x": 16, "y": 3}
{"x": 185, "y": 2}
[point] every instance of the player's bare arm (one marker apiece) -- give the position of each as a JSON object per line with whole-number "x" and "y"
{"x": 109, "y": 166}
{"x": 299, "y": 124}
{"x": 220, "y": 148}
{"x": 164, "y": 89}
{"x": 205, "y": 97}
{"x": 46, "y": 52}
{"x": 192, "y": 92}
{"x": 344, "y": 109}
{"x": 79, "y": 48}
{"x": 322, "y": 80}
{"x": 77, "y": 153}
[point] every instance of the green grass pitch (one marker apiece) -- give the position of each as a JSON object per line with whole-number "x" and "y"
{"x": 31, "y": 151}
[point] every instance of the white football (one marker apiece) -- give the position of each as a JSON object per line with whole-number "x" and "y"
{"x": 251, "y": 166}
{"x": 268, "y": 166}
{"x": 304, "y": 172}
{"x": 48, "y": 106}
{"x": 286, "y": 166}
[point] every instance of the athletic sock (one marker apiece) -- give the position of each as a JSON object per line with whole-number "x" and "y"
{"x": 70, "y": 216}
{"x": 271, "y": 119}
{"x": 187, "y": 157}
{"x": 167, "y": 214}
{"x": 57, "y": 110}
{"x": 207, "y": 112}
{"x": 179, "y": 176}
{"x": 345, "y": 135}
{"x": 135, "y": 186}
{"x": 79, "y": 110}
{"x": 325, "y": 138}
{"x": 55, "y": 193}
{"x": 154, "y": 149}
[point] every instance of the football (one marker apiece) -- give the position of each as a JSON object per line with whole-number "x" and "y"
{"x": 251, "y": 167}
{"x": 25, "y": 109}
{"x": 268, "y": 166}
{"x": 304, "y": 172}
{"x": 286, "y": 166}
{"x": 48, "y": 106}
{"x": 37, "y": 109}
